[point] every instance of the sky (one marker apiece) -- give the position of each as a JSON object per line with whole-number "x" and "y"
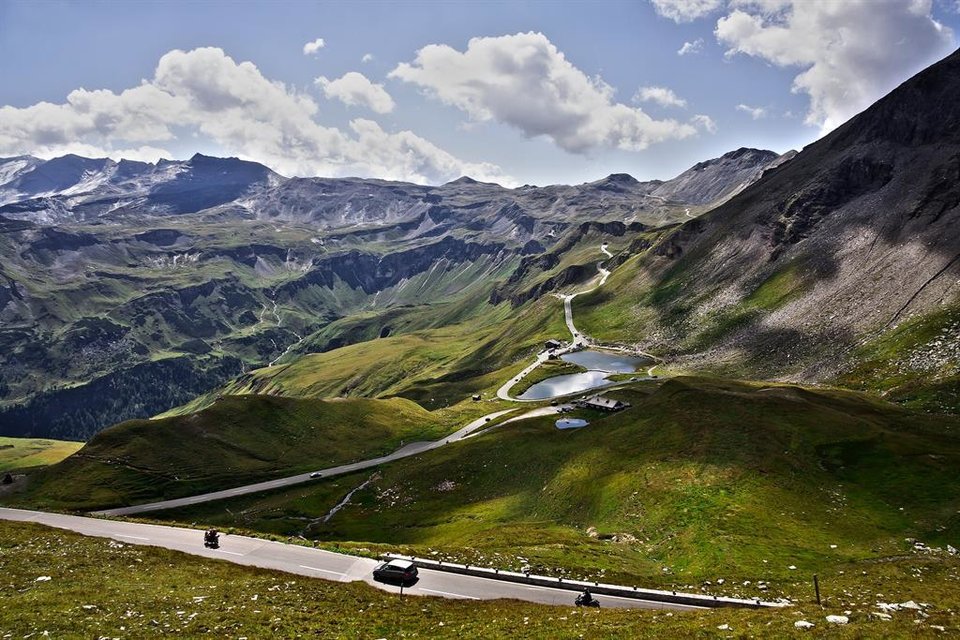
{"x": 510, "y": 92}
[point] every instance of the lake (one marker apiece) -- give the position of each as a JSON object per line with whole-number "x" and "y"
{"x": 600, "y": 364}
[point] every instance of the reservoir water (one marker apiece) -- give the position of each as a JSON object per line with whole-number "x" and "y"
{"x": 600, "y": 364}
{"x": 571, "y": 423}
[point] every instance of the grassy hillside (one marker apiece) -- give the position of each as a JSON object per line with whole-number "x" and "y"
{"x": 700, "y": 479}
{"x": 102, "y": 588}
{"x": 23, "y": 453}
{"x": 916, "y": 363}
{"x": 237, "y": 440}
{"x": 434, "y": 367}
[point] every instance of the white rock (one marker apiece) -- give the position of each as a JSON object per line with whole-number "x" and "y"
{"x": 792, "y": 567}
{"x": 723, "y": 627}
{"x": 43, "y": 579}
{"x": 803, "y": 624}
{"x": 838, "y": 619}
{"x": 909, "y": 604}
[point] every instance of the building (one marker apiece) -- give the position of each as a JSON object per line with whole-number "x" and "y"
{"x": 552, "y": 344}
{"x": 602, "y": 403}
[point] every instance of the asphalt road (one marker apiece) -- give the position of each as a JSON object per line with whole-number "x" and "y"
{"x": 405, "y": 452}
{"x": 315, "y": 563}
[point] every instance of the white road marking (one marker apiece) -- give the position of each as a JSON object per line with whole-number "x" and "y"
{"x": 336, "y": 573}
{"x": 233, "y": 553}
{"x": 446, "y": 593}
{"x": 121, "y": 535}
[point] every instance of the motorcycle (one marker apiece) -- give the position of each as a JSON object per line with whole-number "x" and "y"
{"x": 211, "y": 539}
{"x": 586, "y": 600}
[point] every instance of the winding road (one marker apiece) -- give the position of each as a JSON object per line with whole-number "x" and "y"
{"x": 578, "y": 340}
{"x": 315, "y": 563}
{"x": 411, "y": 449}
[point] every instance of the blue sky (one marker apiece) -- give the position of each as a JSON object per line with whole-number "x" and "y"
{"x": 519, "y": 92}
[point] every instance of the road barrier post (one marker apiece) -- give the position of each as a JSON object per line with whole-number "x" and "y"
{"x": 816, "y": 588}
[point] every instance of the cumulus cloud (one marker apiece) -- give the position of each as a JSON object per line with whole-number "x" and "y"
{"x": 661, "y": 95}
{"x": 755, "y": 112}
{"x": 523, "y": 81}
{"x": 685, "y": 10}
{"x": 206, "y": 92}
{"x": 851, "y": 53}
{"x": 313, "y": 47}
{"x": 354, "y": 89}
{"x": 690, "y": 48}
{"x": 704, "y": 122}
{"x": 367, "y": 57}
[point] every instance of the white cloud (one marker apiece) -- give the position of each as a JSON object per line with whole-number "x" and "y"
{"x": 755, "y": 112}
{"x": 206, "y": 92}
{"x": 523, "y": 81}
{"x": 661, "y": 95}
{"x": 367, "y": 57}
{"x": 355, "y": 89}
{"x": 685, "y": 10}
{"x": 704, "y": 122}
{"x": 312, "y": 47}
{"x": 851, "y": 53}
{"x": 690, "y": 48}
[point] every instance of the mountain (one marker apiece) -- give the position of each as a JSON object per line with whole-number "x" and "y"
{"x": 128, "y": 288}
{"x": 841, "y": 265}
{"x": 73, "y": 189}
{"x": 718, "y": 179}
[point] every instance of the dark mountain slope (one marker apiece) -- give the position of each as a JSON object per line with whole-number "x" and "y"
{"x": 826, "y": 253}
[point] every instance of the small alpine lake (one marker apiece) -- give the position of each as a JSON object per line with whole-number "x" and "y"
{"x": 600, "y": 365}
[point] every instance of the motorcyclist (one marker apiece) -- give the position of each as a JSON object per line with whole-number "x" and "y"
{"x": 586, "y": 597}
{"x": 211, "y": 537}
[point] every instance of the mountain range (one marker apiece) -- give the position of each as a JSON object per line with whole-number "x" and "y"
{"x": 128, "y": 288}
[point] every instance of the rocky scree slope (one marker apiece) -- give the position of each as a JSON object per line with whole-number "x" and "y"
{"x": 809, "y": 268}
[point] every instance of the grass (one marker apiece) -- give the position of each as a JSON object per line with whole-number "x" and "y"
{"x": 103, "y": 588}
{"x": 699, "y": 479}
{"x": 25, "y": 453}
{"x": 235, "y": 441}
{"x": 437, "y": 368}
{"x": 915, "y": 363}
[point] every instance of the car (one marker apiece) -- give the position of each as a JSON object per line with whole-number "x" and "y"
{"x": 316, "y": 474}
{"x": 402, "y": 571}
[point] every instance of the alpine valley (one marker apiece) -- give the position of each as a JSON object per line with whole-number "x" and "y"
{"x": 130, "y": 288}
{"x": 777, "y": 338}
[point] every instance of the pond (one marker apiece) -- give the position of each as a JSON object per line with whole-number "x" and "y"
{"x": 565, "y": 385}
{"x": 606, "y": 361}
{"x": 600, "y": 364}
{"x": 571, "y": 423}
